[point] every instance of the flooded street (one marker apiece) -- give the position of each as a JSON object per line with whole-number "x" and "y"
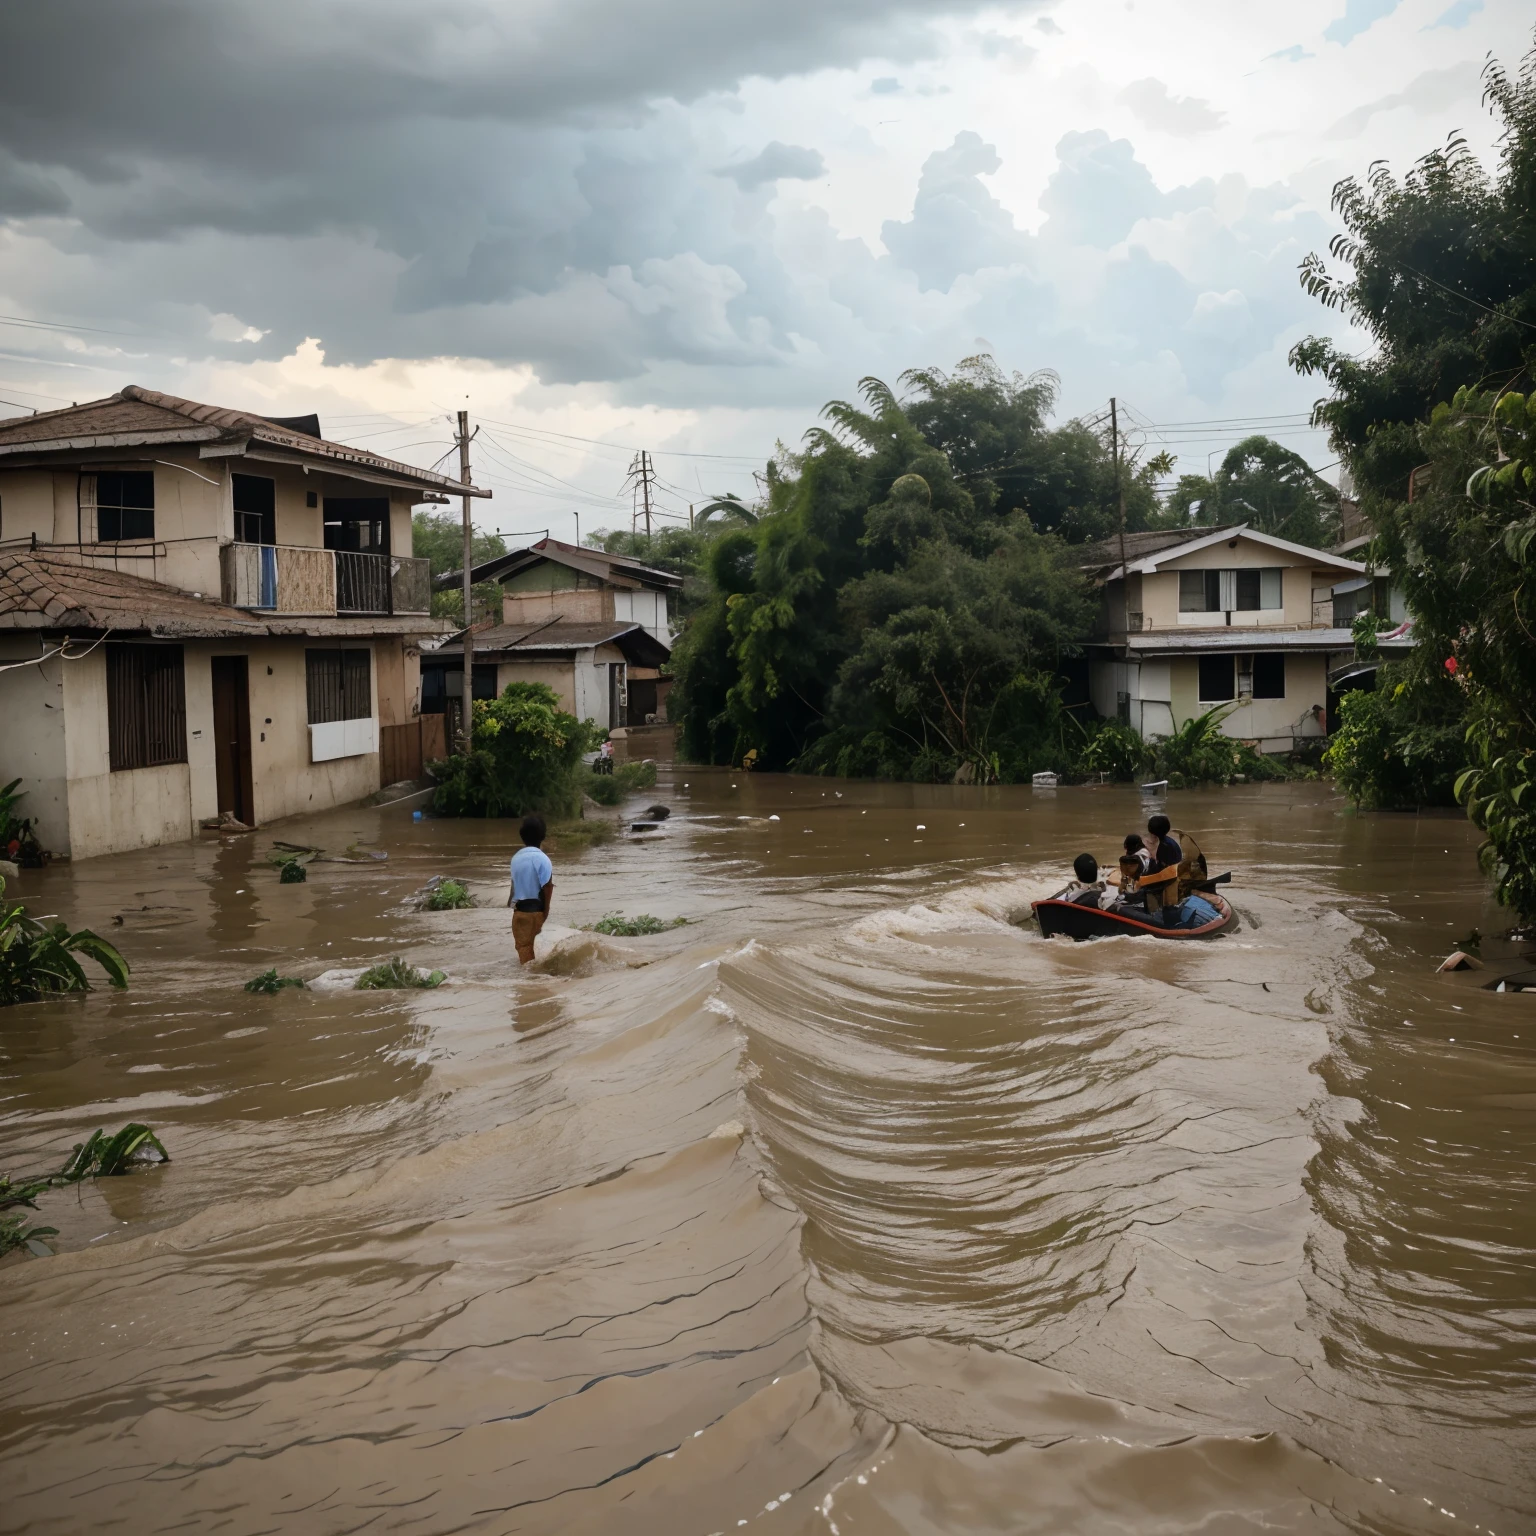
{"x": 849, "y": 1207}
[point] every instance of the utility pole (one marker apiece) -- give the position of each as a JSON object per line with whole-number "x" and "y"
{"x": 1125, "y": 575}
{"x": 466, "y": 701}
{"x": 641, "y": 474}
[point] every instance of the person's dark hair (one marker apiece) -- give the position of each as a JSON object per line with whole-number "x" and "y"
{"x": 1086, "y": 868}
{"x": 532, "y": 830}
{"x": 1158, "y": 825}
{"x": 1133, "y": 843}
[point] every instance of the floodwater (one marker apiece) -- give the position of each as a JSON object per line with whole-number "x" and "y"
{"x": 850, "y": 1207}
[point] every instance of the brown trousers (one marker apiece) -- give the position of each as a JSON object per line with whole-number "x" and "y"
{"x": 525, "y": 929}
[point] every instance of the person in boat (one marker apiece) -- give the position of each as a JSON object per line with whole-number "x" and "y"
{"x": 1086, "y": 889}
{"x": 1135, "y": 861}
{"x": 1160, "y": 882}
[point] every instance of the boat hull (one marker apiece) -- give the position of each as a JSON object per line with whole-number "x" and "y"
{"x": 1075, "y": 922}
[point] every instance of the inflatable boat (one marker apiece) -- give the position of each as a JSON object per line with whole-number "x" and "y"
{"x": 1056, "y": 916}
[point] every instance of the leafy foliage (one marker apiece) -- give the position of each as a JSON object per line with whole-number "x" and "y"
{"x": 395, "y": 974}
{"x": 525, "y": 756}
{"x": 269, "y": 982}
{"x": 1198, "y": 752}
{"x": 39, "y": 959}
{"x": 623, "y": 927}
{"x": 1399, "y": 745}
{"x": 1271, "y": 488}
{"x": 1116, "y": 750}
{"x": 439, "y": 537}
{"x": 1437, "y": 429}
{"x": 99, "y": 1156}
{"x": 448, "y": 896}
{"x": 902, "y": 602}
{"x": 625, "y": 780}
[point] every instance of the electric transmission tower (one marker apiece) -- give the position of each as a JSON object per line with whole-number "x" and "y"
{"x": 640, "y": 479}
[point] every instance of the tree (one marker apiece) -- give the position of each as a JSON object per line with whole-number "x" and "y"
{"x": 894, "y": 564}
{"x": 1436, "y": 427}
{"x": 1271, "y": 488}
{"x": 439, "y": 538}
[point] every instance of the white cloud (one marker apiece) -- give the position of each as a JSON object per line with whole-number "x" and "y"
{"x": 1184, "y": 116}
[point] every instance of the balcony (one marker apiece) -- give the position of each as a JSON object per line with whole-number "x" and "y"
{"x": 286, "y": 578}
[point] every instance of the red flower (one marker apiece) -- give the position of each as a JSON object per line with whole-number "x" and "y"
{"x": 1450, "y": 665}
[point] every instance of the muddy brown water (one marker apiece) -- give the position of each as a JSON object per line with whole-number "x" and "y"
{"x": 849, "y": 1207}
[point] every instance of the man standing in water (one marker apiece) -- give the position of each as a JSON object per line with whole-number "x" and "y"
{"x": 533, "y": 884}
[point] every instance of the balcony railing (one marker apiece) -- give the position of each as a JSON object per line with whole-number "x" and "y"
{"x": 286, "y": 578}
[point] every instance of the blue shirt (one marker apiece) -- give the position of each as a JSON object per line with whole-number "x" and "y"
{"x": 531, "y": 872}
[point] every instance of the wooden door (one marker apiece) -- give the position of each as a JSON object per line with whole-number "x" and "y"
{"x": 232, "y": 738}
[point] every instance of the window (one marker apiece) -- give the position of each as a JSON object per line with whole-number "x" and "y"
{"x": 1229, "y": 591}
{"x": 1199, "y": 592}
{"x": 146, "y": 706}
{"x": 255, "y": 509}
{"x": 125, "y": 504}
{"x": 359, "y": 523}
{"x": 337, "y": 683}
{"x": 1216, "y": 679}
{"x": 1269, "y": 675}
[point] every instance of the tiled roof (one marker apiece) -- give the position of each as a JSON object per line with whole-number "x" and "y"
{"x": 58, "y": 591}
{"x": 137, "y": 417}
{"x": 637, "y": 642}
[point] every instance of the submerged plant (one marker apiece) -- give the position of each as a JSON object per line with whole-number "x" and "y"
{"x": 626, "y": 779}
{"x": 39, "y": 959}
{"x": 100, "y": 1156}
{"x": 396, "y": 973}
{"x": 617, "y": 925}
{"x": 269, "y": 982}
{"x": 448, "y": 896}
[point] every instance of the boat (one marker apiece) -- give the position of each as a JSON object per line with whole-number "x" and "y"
{"x": 1056, "y": 916}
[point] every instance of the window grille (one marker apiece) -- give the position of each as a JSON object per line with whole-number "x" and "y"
{"x": 146, "y": 706}
{"x": 338, "y": 684}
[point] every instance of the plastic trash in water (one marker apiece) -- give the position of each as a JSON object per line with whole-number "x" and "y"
{"x": 415, "y": 815}
{"x": 1045, "y": 781}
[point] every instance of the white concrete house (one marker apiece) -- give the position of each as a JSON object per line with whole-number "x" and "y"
{"x": 1195, "y": 618}
{"x": 202, "y": 611}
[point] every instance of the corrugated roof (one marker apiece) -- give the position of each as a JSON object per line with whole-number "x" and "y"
{"x": 619, "y": 570}
{"x": 1193, "y": 642}
{"x": 137, "y": 417}
{"x": 1139, "y": 545}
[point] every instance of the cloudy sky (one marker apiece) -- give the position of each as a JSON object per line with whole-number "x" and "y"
{"x": 684, "y": 225}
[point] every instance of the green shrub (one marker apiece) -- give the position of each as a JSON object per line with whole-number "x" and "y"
{"x": 626, "y": 779}
{"x": 38, "y": 959}
{"x": 395, "y": 974}
{"x": 1117, "y": 750}
{"x": 269, "y": 982}
{"x": 1199, "y": 752}
{"x": 619, "y": 926}
{"x": 525, "y": 756}
{"x": 448, "y": 896}
{"x": 1399, "y": 745}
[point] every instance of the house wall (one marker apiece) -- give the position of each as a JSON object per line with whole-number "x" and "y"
{"x": 26, "y": 507}
{"x": 557, "y": 674}
{"x": 1271, "y": 722}
{"x": 1149, "y": 685}
{"x": 84, "y": 809}
{"x": 587, "y": 606}
{"x": 1160, "y": 589}
{"x": 111, "y": 812}
{"x": 646, "y": 608}
{"x": 35, "y": 754}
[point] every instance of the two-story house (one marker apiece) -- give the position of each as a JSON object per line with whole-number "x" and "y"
{"x": 597, "y": 628}
{"x": 202, "y": 612}
{"x": 1199, "y": 617}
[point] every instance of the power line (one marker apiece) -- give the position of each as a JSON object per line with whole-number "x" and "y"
{"x": 640, "y": 479}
